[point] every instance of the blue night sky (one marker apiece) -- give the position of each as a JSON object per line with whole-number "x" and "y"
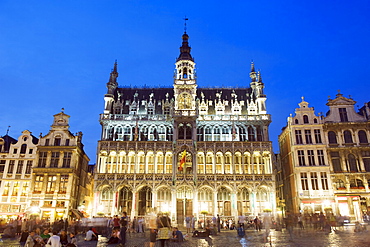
{"x": 58, "y": 54}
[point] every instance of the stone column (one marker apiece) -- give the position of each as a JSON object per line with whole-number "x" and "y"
{"x": 133, "y": 207}
{"x": 114, "y": 203}
{"x": 173, "y": 207}
{"x": 215, "y": 206}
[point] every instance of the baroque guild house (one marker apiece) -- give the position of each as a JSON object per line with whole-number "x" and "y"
{"x": 184, "y": 149}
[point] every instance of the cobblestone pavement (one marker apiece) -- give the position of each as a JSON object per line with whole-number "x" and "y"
{"x": 341, "y": 238}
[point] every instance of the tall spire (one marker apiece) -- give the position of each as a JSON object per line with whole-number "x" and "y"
{"x": 112, "y": 84}
{"x": 185, "y": 48}
{"x": 253, "y": 74}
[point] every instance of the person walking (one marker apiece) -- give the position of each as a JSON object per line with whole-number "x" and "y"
{"x": 218, "y": 222}
{"x": 123, "y": 222}
{"x": 54, "y": 240}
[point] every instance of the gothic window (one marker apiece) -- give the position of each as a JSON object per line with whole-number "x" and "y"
{"x": 352, "y": 163}
{"x": 242, "y": 134}
{"x": 217, "y": 133}
{"x": 223, "y": 194}
{"x": 308, "y": 136}
{"x": 118, "y": 133}
{"x": 324, "y": 181}
{"x": 332, "y": 137}
{"x": 208, "y": 133}
{"x": 219, "y": 162}
{"x": 127, "y": 133}
{"x": 343, "y": 115}
{"x": 298, "y": 137}
{"x": 335, "y": 160}
{"x": 317, "y": 136}
{"x": 251, "y": 136}
{"x": 305, "y": 119}
{"x": 315, "y": 120}
{"x": 181, "y": 134}
{"x": 296, "y": 121}
{"x": 304, "y": 181}
{"x": 347, "y": 136}
{"x": 259, "y": 134}
{"x": 189, "y": 131}
{"x": 200, "y": 134}
{"x": 362, "y": 136}
{"x": 228, "y": 163}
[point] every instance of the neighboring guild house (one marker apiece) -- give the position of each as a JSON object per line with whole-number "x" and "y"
{"x": 326, "y": 160}
{"x": 60, "y": 177}
{"x": 16, "y": 160}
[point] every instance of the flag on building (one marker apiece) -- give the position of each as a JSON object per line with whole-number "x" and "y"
{"x": 182, "y": 161}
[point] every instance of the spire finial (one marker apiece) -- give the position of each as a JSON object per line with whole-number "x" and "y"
{"x": 63, "y": 110}
{"x": 7, "y": 131}
{"x": 185, "y": 19}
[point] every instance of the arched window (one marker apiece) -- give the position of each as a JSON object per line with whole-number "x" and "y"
{"x": 305, "y": 119}
{"x": 362, "y": 136}
{"x": 332, "y": 137}
{"x": 347, "y": 136}
{"x": 315, "y": 120}
{"x": 296, "y": 121}
{"x": 352, "y": 163}
{"x": 251, "y": 136}
{"x": 23, "y": 148}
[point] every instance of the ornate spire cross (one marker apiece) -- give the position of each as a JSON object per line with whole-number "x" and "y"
{"x": 185, "y": 19}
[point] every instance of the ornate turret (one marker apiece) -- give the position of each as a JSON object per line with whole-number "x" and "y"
{"x": 112, "y": 86}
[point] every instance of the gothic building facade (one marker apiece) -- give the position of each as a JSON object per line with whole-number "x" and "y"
{"x": 184, "y": 149}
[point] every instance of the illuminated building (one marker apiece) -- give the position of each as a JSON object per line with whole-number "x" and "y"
{"x": 223, "y": 133}
{"x": 327, "y": 159}
{"x": 304, "y": 162}
{"x": 60, "y": 176}
{"x": 16, "y": 161}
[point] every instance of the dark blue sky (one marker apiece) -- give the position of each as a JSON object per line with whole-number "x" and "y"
{"x": 58, "y": 54}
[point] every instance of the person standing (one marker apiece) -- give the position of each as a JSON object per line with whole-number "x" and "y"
{"x": 30, "y": 242}
{"x": 188, "y": 223}
{"x": 218, "y": 221}
{"x": 123, "y": 222}
{"x": 54, "y": 240}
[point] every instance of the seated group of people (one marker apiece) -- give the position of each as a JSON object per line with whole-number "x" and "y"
{"x": 205, "y": 233}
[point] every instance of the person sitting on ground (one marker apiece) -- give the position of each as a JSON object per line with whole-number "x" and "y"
{"x": 73, "y": 241}
{"x": 114, "y": 238}
{"x": 9, "y": 232}
{"x": 177, "y": 235}
{"x": 24, "y": 236}
{"x": 90, "y": 235}
{"x": 63, "y": 238}
{"x": 206, "y": 233}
